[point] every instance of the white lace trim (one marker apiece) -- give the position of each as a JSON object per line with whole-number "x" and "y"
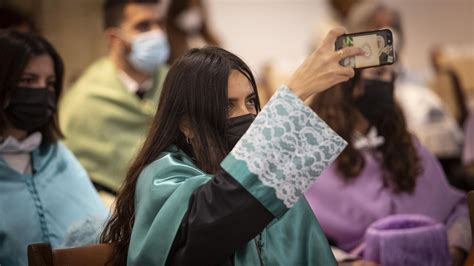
{"x": 288, "y": 146}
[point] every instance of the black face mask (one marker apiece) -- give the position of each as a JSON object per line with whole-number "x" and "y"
{"x": 377, "y": 100}
{"x": 236, "y": 127}
{"x": 31, "y": 108}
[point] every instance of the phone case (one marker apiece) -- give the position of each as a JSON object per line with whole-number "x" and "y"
{"x": 377, "y": 44}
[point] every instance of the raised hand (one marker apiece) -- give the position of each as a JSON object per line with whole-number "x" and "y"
{"x": 321, "y": 70}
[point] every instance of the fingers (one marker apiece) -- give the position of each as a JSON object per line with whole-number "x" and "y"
{"x": 346, "y": 71}
{"x": 348, "y": 52}
{"x": 330, "y": 39}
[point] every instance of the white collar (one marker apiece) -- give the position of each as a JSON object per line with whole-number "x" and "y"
{"x": 371, "y": 140}
{"x": 131, "y": 85}
{"x": 12, "y": 145}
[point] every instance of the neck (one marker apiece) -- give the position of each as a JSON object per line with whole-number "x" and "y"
{"x": 121, "y": 63}
{"x": 362, "y": 125}
{"x": 16, "y": 133}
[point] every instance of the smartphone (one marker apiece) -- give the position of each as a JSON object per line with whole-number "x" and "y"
{"x": 378, "y": 47}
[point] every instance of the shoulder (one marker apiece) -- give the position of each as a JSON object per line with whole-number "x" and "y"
{"x": 163, "y": 70}
{"x": 101, "y": 73}
{"x": 58, "y": 149}
{"x": 172, "y": 167}
{"x": 57, "y": 156}
{"x": 61, "y": 149}
{"x": 98, "y": 70}
{"x": 423, "y": 152}
{"x": 172, "y": 172}
{"x": 430, "y": 166}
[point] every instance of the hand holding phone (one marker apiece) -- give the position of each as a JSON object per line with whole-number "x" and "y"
{"x": 378, "y": 47}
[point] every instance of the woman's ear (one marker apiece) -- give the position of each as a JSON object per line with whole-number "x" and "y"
{"x": 185, "y": 128}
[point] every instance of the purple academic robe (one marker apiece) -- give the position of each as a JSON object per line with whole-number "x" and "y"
{"x": 345, "y": 210}
{"x": 468, "y": 155}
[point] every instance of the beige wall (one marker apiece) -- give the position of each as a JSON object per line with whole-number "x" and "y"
{"x": 280, "y": 30}
{"x": 73, "y": 26}
{"x": 258, "y": 30}
{"x": 434, "y": 22}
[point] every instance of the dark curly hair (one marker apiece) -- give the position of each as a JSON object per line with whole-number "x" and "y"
{"x": 398, "y": 156}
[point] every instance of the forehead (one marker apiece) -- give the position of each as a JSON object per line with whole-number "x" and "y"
{"x": 136, "y": 12}
{"x": 238, "y": 85}
{"x": 385, "y": 73}
{"x": 41, "y": 65}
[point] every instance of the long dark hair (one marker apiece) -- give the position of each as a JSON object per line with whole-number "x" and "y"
{"x": 176, "y": 36}
{"x": 195, "y": 91}
{"x": 16, "y": 50}
{"x": 398, "y": 155}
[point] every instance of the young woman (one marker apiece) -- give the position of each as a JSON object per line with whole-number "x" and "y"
{"x": 383, "y": 171}
{"x": 204, "y": 190}
{"x": 43, "y": 189}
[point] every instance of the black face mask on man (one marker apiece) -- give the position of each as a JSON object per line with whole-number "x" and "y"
{"x": 30, "y": 108}
{"x": 236, "y": 128}
{"x": 377, "y": 100}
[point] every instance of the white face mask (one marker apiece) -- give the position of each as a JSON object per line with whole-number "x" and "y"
{"x": 149, "y": 50}
{"x": 190, "y": 21}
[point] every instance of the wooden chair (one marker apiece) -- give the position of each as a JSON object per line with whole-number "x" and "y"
{"x": 42, "y": 254}
{"x": 470, "y": 199}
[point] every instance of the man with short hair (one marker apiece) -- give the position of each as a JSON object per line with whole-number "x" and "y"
{"x": 106, "y": 113}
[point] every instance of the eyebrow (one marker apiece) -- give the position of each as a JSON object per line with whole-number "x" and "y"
{"x": 35, "y": 75}
{"x": 30, "y": 74}
{"x": 148, "y": 22}
{"x": 251, "y": 95}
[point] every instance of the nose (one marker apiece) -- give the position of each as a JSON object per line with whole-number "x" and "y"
{"x": 240, "y": 110}
{"x": 43, "y": 83}
{"x": 156, "y": 27}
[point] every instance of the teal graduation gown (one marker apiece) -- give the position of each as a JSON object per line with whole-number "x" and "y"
{"x": 277, "y": 159}
{"x": 42, "y": 206}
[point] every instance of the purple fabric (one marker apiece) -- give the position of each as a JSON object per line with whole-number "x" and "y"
{"x": 468, "y": 154}
{"x": 407, "y": 239}
{"x": 345, "y": 210}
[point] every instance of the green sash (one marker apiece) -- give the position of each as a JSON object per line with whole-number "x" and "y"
{"x": 104, "y": 123}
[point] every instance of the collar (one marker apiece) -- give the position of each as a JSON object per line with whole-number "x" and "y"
{"x": 13, "y": 146}
{"x": 131, "y": 85}
{"x": 371, "y": 140}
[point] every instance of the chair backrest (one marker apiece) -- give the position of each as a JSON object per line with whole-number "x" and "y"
{"x": 470, "y": 201}
{"x": 42, "y": 254}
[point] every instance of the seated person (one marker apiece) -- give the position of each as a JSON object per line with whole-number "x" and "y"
{"x": 204, "y": 190}
{"x": 106, "y": 113}
{"x": 44, "y": 191}
{"x": 383, "y": 171}
{"x": 13, "y": 19}
{"x": 187, "y": 27}
{"x": 468, "y": 153}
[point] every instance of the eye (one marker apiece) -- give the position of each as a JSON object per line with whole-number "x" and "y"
{"x": 230, "y": 105}
{"x": 252, "y": 102}
{"x": 143, "y": 26}
{"x": 27, "y": 80}
{"x": 51, "y": 83}
{"x": 160, "y": 22}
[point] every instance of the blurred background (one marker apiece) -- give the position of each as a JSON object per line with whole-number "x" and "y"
{"x": 276, "y": 32}
{"x": 433, "y": 41}
{"x": 435, "y": 48}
